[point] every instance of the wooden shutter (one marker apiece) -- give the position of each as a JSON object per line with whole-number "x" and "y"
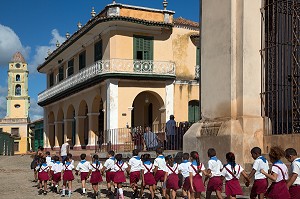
{"x": 193, "y": 111}
{"x": 98, "y": 51}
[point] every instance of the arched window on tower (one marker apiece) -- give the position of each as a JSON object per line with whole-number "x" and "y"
{"x": 18, "y": 90}
{"x": 18, "y": 78}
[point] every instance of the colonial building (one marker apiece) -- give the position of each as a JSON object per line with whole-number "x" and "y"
{"x": 127, "y": 66}
{"x": 18, "y": 103}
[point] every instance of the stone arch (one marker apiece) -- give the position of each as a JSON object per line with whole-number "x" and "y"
{"x": 83, "y": 124}
{"x": 97, "y": 124}
{"x": 18, "y": 90}
{"x": 51, "y": 129}
{"x": 60, "y": 127}
{"x": 70, "y": 124}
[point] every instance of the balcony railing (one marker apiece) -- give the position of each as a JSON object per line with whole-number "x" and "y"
{"x": 117, "y": 66}
{"x": 197, "y": 72}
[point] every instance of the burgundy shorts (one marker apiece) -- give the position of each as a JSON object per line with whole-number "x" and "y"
{"x": 119, "y": 177}
{"x": 83, "y": 175}
{"x": 110, "y": 176}
{"x": 215, "y": 184}
{"x": 187, "y": 184}
{"x": 198, "y": 184}
{"x": 295, "y": 192}
{"x": 43, "y": 176}
{"x": 233, "y": 188}
{"x": 134, "y": 177}
{"x": 159, "y": 176}
{"x": 68, "y": 175}
{"x": 259, "y": 186}
{"x": 96, "y": 177}
{"x": 173, "y": 182}
{"x": 56, "y": 177}
{"x": 149, "y": 179}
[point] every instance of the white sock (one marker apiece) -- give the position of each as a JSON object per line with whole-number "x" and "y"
{"x": 120, "y": 191}
{"x": 70, "y": 192}
{"x": 83, "y": 190}
{"x": 63, "y": 191}
{"x": 56, "y": 185}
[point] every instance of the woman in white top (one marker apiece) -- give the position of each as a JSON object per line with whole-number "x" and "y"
{"x": 279, "y": 175}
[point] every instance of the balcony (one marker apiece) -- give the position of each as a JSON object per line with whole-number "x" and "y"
{"x": 122, "y": 67}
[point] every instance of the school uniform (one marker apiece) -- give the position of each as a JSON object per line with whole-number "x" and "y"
{"x": 43, "y": 174}
{"x": 147, "y": 168}
{"x": 135, "y": 169}
{"x": 57, "y": 167}
{"x": 108, "y": 164}
{"x": 68, "y": 174}
{"x": 232, "y": 185}
{"x": 295, "y": 188}
{"x": 278, "y": 189}
{"x": 119, "y": 169}
{"x": 160, "y": 163}
{"x": 215, "y": 183}
{"x": 83, "y": 167}
{"x": 172, "y": 179}
{"x": 260, "y": 184}
{"x": 197, "y": 176}
{"x": 184, "y": 169}
{"x": 96, "y": 172}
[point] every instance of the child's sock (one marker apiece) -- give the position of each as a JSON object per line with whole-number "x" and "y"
{"x": 63, "y": 192}
{"x": 70, "y": 192}
{"x": 121, "y": 193}
{"x": 83, "y": 190}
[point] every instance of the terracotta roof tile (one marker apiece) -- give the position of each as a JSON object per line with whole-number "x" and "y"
{"x": 186, "y": 22}
{"x": 18, "y": 57}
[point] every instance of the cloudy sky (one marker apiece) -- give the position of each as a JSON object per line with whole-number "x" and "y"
{"x": 33, "y": 27}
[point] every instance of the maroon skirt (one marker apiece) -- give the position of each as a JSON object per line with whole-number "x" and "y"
{"x": 233, "y": 188}
{"x": 198, "y": 184}
{"x": 43, "y": 176}
{"x": 149, "y": 179}
{"x": 295, "y": 192}
{"x": 215, "y": 184}
{"x": 187, "y": 184}
{"x": 83, "y": 175}
{"x": 172, "y": 182}
{"x": 68, "y": 175}
{"x": 119, "y": 177}
{"x": 56, "y": 177}
{"x": 278, "y": 190}
{"x": 159, "y": 176}
{"x": 110, "y": 176}
{"x": 259, "y": 186}
{"x": 134, "y": 177}
{"x": 96, "y": 177}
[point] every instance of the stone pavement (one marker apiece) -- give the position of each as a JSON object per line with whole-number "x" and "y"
{"x": 16, "y": 181}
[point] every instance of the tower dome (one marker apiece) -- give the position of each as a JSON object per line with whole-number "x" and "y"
{"x": 18, "y": 57}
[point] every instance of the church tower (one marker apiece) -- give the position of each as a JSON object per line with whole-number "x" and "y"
{"x": 18, "y": 101}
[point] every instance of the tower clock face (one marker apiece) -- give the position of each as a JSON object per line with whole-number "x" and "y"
{"x": 18, "y": 65}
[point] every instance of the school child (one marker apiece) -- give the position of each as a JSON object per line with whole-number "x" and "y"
{"x": 57, "y": 168}
{"x": 134, "y": 168}
{"x": 83, "y": 168}
{"x": 68, "y": 176}
{"x": 69, "y": 155}
{"x": 294, "y": 181}
{"x": 196, "y": 170}
{"x": 95, "y": 172}
{"x": 260, "y": 184}
{"x": 184, "y": 170}
{"x": 171, "y": 177}
{"x": 159, "y": 170}
{"x": 108, "y": 164}
{"x": 147, "y": 175}
{"x": 43, "y": 175}
{"x": 215, "y": 182}
{"x": 232, "y": 172}
{"x": 119, "y": 177}
{"x": 278, "y": 176}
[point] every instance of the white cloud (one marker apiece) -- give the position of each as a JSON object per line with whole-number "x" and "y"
{"x": 41, "y": 52}
{"x": 35, "y": 111}
{"x": 9, "y": 44}
{"x": 3, "y": 93}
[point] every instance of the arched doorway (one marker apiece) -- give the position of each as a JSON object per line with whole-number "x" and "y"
{"x": 51, "y": 129}
{"x": 98, "y": 120}
{"x": 70, "y": 123}
{"x": 83, "y": 124}
{"x": 60, "y": 128}
{"x": 194, "y": 111}
{"x": 148, "y": 110}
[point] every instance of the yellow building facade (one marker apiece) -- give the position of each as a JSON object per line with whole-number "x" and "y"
{"x": 18, "y": 104}
{"x": 128, "y": 66}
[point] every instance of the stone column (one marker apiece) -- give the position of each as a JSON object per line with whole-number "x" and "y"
{"x": 57, "y": 126}
{"x": 67, "y": 128}
{"x": 46, "y": 131}
{"x": 112, "y": 108}
{"x": 79, "y": 132}
{"x": 169, "y": 104}
{"x": 93, "y": 129}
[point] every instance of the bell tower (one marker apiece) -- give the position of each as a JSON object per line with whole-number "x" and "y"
{"x": 18, "y": 101}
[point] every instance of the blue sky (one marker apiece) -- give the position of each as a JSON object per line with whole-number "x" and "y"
{"x": 32, "y": 27}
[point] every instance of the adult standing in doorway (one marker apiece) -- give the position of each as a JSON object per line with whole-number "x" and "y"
{"x": 171, "y": 133}
{"x": 65, "y": 149}
{"x": 151, "y": 139}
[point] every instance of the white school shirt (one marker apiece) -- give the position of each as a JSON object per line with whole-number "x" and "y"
{"x": 191, "y": 170}
{"x": 228, "y": 176}
{"x": 48, "y": 161}
{"x": 83, "y": 166}
{"x": 63, "y": 150}
{"x": 149, "y": 166}
{"x": 93, "y": 166}
{"x": 296, "y": 170}
{"x": 258, "y": 165}
{"x": 160, "y": 163}
{"x": 57, "y": 167}
{"x": 109, "y": 163}
{"x": 68, "y": 167}
{"x": 43, "y": 167}
{"x": 116, "y": 168}
{"x": 184, "y": 168}
{"x": 135, "y": 164}
{"x": 174, "y": 168}
{"x": 279, "y": 173}
{"x": 215, "y": 165}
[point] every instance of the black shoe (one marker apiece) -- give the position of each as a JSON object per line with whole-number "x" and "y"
{"x": 40, "y": 192}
